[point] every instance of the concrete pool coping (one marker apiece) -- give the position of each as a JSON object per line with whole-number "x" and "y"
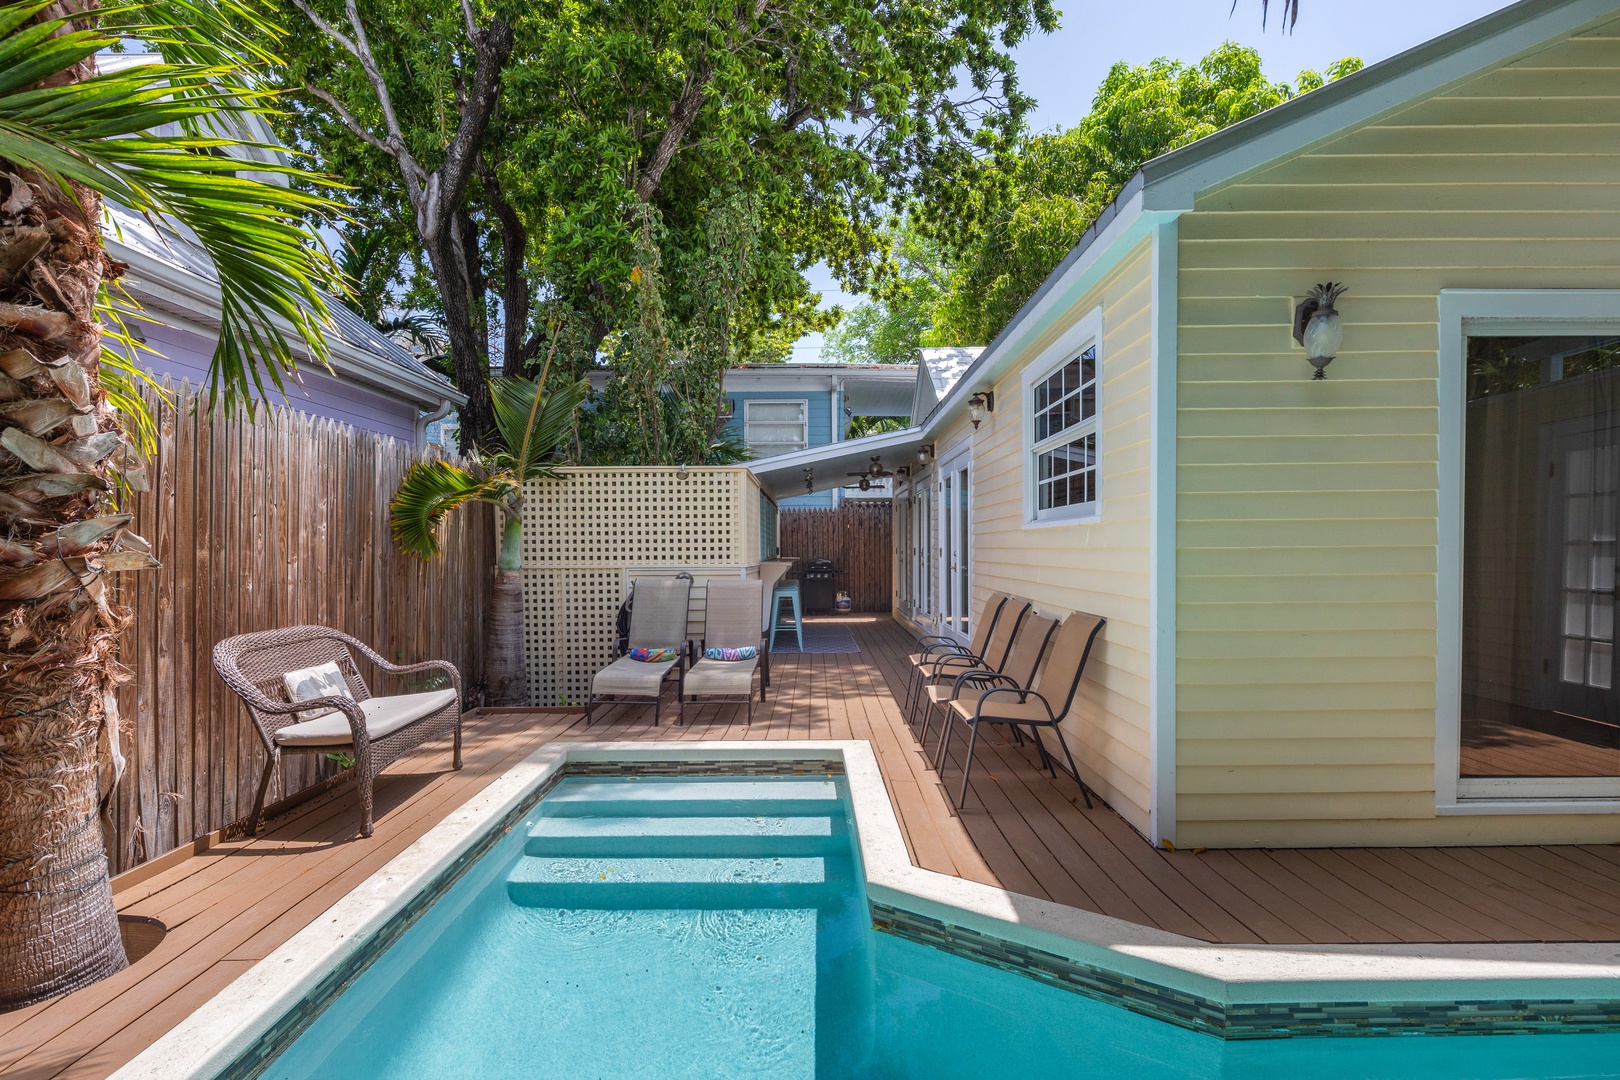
{"x": 1234, "y": 991}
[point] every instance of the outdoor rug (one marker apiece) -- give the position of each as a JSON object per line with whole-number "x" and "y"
{"x": 818, "y": 638}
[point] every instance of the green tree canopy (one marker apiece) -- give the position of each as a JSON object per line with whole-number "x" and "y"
{"x": 821, "y": 112}
{"x": 995, "y": 243}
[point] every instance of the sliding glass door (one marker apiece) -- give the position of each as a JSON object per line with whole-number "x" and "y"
{"x": 1541, "y": 521}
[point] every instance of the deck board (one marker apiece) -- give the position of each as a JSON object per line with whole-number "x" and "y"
{"x": 236, "y": 902}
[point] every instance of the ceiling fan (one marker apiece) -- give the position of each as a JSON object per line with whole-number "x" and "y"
{"x": 875, "y": 471}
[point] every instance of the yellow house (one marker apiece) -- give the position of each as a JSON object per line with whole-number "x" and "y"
{"x": 1370, "y": 609}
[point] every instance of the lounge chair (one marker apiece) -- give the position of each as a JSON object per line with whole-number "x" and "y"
{"x": 1029, "y": 644}
{"x": 1043, "y": 705}
{"x": 945, "y": 658}
{"x": 730, "y": 621}
{"x": 375, "y": 731}
{"x": 658, "y": 617}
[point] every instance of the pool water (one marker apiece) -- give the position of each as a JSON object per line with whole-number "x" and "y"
{"x": 717, "y": 927}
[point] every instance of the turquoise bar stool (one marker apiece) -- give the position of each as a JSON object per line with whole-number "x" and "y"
{"x": 789, "y": 591}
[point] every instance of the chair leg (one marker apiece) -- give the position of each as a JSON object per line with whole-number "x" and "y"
{"x": 967, "y": 766}
{"x": 590, "y": 703}
{"x": 944, "y": 742}
{"x": 1046, "y": 759}
{"x": 1073, "y": 768}
{"x": 365, "y": 778}
{"x": 264, "y": 788}
{"x": 455, "y": 760}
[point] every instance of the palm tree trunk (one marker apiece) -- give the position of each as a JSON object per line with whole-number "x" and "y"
{"x": 58, "y": 625}
{"x": 508, "y": 683}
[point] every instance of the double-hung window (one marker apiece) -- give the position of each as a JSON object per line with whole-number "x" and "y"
{"x": 776, "y": 427}
{"x": 1063, "y": 452}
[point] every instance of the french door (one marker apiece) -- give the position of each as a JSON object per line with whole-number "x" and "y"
{"x": 1541, "y": 528}
{"x": 954, "y": 570}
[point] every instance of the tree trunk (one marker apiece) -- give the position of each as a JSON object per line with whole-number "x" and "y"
{"x": 503, "y": 661}
{"x": 58, "y": 625}
{"x": 467, "y": 331}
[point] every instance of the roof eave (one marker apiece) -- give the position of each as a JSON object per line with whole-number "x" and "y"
{"x": 1172, "y": 181}
{"x": 347, "y": 360}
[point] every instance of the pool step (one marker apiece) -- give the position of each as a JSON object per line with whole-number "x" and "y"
{"x": 667, "y": 883}
{"x": 692, "y": 798}
{"x": 690, "y": 837}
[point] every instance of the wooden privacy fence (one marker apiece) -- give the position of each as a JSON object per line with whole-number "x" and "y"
{"x": 858, "y": 537}
{"x": 261, "y": 523}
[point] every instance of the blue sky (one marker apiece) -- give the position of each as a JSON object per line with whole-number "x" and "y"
{"x": 1062, "y": 70}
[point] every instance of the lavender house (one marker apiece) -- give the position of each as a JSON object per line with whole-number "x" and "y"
{"x": 374, "y": 383}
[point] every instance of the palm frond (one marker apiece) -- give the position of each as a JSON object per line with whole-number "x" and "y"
{"x": 532, "y": 423}
{"x": 100, "y": 132}
{"x": 430, "y": 490}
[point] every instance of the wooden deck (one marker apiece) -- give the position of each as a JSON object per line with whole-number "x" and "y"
{"x": 230, "y": 905}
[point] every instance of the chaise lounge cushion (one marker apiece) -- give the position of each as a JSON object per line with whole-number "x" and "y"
{"x": 384, "y": 716}
{"x": 638, "y": 678}
{"x": 721, "y": 678}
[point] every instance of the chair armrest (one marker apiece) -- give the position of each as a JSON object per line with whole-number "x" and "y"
{"x": 404, "y": 669}
{"x": 938, "y": 666}
{"x": 926, "y": 638}
{"x": 1023, "y": 696}
{"x": 980, "y": 675}
{"x": 947, "y": 648}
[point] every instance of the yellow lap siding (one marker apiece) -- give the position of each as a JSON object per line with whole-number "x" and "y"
{"x": 1100, "y": 567}
{"x": 1307, "y": 511}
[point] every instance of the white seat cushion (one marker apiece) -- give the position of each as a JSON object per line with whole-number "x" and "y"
{"x": 384, "y": 716}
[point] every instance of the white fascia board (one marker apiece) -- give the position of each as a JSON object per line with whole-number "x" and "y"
{"x": 783, "y": 475}
{"x": 787, "y": 382}
{"x": 172, "y": 288}
{"x": 1129, "y": 225}
{"x": 1172, "y": 181}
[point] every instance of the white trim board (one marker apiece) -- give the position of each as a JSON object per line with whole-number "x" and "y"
{"x": 1496, "y": 311}
{"x": 1162, "y": 539}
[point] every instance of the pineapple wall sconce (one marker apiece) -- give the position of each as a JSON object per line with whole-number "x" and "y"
{"x": 1317, "y": 327}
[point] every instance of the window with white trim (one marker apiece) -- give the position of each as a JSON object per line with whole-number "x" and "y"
{"x": 1063, "y": 410}
{"x": 776, "y": 427}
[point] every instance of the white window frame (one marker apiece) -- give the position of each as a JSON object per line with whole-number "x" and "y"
{"x": 1083, "y": 335}
{"x": 1493, "y": 312}
{"x": 748, "y": 421}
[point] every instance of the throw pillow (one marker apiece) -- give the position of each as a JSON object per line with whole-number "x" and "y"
{"x": 307, "y": 684}
{"x": 747, "y": 652}
{"x": 653, "y": 656}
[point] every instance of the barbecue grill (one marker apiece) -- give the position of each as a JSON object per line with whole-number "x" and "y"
{"x": 818, "y": 585}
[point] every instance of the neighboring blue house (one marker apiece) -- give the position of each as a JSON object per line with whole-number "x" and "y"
{"x": 784, "y": 408}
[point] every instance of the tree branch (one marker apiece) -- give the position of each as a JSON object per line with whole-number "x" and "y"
{"x": 327, "y": 28}
{"x": 514, "y": 285}
{"x": 348, "y": 118}
{"x": 493, "y": 47}
{"x": 682, "y": 114}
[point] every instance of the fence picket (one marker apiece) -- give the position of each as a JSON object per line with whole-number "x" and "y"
{"x": 259, "y": 521}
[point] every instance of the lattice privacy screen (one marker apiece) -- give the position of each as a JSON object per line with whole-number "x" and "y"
{"x": 584, "y": 531}
{"x": 646, "y": 517}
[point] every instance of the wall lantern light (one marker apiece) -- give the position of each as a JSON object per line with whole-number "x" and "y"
{"x": 682, "y": 473}
{"x": 925, "y": 453}
{"x": 1317, "y": 326}
{"x": 903, "y": 472}
{"x": 979, "y": 404}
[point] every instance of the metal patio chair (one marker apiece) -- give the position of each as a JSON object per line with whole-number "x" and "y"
{"x": 1043, "y": 704}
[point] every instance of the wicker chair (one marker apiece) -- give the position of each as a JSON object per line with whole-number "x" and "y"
{"x": 377, "y": 731}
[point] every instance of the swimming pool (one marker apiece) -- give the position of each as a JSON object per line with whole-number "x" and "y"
{"x": 719, "y": 926}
